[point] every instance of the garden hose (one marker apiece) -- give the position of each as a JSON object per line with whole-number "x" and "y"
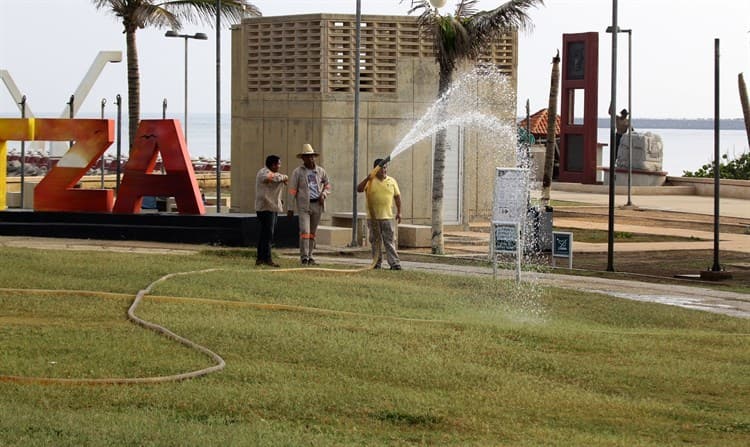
{"x": 219, "y": 362}
{"x": 378, "y": 253}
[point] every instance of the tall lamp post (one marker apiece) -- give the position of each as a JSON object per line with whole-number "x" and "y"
{"x": 630, "y": 108}
{"x": 613, "y": 99}
{"x": 355, "y": 155}
{"x": 197, "y": 36}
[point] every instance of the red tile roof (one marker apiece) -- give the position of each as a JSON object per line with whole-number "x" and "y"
{"x": 539, "y": 124}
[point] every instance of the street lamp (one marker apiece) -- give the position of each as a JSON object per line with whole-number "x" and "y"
{"x": 198, "y": 36}
{"x": 612, "y": 101}
{"x": 630, "y": 108}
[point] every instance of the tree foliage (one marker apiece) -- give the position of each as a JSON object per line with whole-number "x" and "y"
{"x": 736, "y": 169}
{"x": 139, "y": 14}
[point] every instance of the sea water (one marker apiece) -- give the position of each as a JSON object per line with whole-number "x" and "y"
{"x": 684, "y": 149}
{"x": 688, "y": 149}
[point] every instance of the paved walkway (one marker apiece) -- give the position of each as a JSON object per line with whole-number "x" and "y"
{"x": 685, "y": 204}
{"x": 674, "y": 203}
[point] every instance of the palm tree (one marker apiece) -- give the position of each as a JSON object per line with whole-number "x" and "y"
{"x": 549, "y": 153}
{"x": 136, "y": 14}
{"x": 458, "y": 37}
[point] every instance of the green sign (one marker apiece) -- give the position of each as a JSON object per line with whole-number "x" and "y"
{"x": 505, "y": 237}
{"x": 562, "y": 244}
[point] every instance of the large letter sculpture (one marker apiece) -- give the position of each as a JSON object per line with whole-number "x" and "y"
{"x": 56, "y": 191}
{"x": 11, "y": 129}
{"x": 154, "y": 137}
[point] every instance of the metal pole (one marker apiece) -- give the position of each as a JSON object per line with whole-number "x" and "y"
{"x": 613, "y": 99}
{"x": 185, "y": 125}
{"x": 23, "y": 149}
{"x": 70, "y": 114}
{"x": 218, "y": 106}
{"x": 164, "y": 109}
{"x": 355, "y": 178}
{"x": 118, "y": 102}
{"x": 630, "y": 111}
{"x": 104, "y": 102}
{"x": 717, "y": 172}
{"x": 528, "y": 123}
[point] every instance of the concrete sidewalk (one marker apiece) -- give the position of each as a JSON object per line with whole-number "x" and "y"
{"x": 675, "y": 203}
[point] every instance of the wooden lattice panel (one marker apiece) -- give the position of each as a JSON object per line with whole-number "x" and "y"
{"x": 317, "y": 53}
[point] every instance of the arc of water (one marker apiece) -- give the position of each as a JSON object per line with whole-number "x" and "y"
{"x": 466, "y": 104}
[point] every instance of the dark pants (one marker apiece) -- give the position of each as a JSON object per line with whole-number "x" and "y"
{"x": 267, "y": 222}
{"x": 618, "y": 137}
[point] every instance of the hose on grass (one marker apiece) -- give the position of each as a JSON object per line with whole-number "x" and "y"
{"x": 219, "y": 362}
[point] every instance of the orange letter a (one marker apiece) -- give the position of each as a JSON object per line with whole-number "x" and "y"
{"x": 154, "y": 137}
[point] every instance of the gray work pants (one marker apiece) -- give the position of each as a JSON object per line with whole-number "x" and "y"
{"x": 308, "y": 225}
{"x": 382, "y": 233}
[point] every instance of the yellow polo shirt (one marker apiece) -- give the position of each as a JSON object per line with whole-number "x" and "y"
{"x": 380, "y": 194}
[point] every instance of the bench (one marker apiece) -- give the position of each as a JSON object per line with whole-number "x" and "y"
{"x": 333, "y": 236}
{"x": 414, "y": 236}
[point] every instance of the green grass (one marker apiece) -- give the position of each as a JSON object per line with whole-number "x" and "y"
{"x": 600, "y": 236}
{"x": 374, "y": 358}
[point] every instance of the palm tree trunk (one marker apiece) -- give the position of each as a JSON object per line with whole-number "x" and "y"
{"x": 549, "y": 153}
{"x": 745, "y": 104}
{"x": 134, "y": 86}
{"x": 438, "y": 172}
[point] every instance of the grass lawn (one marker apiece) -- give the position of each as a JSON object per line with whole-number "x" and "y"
{"x": 601, "y": 236}
{"x": 372, "y": 358}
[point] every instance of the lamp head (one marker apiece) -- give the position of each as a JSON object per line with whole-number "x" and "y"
{"x": 437, "y": 3}
{"x": 200, "y": 36}
{"x": 171, "y": 33}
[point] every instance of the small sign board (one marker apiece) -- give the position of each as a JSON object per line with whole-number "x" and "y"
{"x": 510, "y": 197}
{"x": 505, "y": 237}
{"x": 562, "y": 247}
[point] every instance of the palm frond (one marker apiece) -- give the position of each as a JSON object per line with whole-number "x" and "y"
{"x": 154, "y": 15}
{"x": 466, "y": 8}
{"x": 508, "y": 16}
{"x": 204, "y": 11}
{"x": 420, "y": 6}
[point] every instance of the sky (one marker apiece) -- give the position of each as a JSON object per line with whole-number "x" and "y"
{"x": 48, "y": 45}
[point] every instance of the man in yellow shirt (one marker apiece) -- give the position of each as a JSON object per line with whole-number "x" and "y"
{"x": 381, "y": 193}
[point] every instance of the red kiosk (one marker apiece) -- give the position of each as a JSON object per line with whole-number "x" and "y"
{"x": 578, "y": 124}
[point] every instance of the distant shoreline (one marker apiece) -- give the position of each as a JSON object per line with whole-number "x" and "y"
{"x": 672, "y": 123}
{"x": 675, "y": 123}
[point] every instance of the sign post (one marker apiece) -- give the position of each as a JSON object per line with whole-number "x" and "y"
{"x": 505, "y": 237}
{"x": 562, "y": 247}
{"x": 509, "y": 209}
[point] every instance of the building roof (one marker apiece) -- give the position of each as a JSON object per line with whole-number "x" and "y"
{"x": 538, "y": 125}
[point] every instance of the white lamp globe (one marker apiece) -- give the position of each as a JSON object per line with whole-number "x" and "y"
{"x": 437, "y": 3}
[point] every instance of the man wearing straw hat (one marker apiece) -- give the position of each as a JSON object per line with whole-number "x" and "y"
{"x": 309, "y": 188}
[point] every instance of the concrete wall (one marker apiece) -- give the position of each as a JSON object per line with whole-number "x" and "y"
{"x": 734, "y": 189}
{"x": 277, "y": 123}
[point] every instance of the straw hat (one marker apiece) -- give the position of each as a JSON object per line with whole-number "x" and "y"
{"x": 307, "y": 150}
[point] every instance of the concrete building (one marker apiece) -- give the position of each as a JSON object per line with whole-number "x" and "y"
{"x": 293, "y": 81}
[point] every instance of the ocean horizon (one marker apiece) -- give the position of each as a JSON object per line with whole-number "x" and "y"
{"x": 685, "y": 148}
